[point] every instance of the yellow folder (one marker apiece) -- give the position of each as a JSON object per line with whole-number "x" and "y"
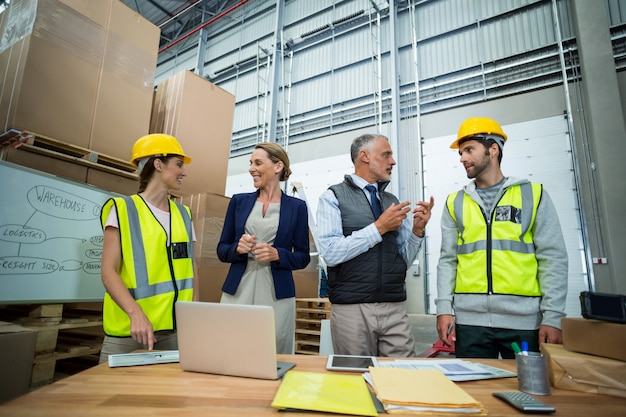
{"x": 317, "y": 391}
{"x": 419, "y": 390}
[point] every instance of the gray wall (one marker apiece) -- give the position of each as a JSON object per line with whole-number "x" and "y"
{"x": 600, "y": 135}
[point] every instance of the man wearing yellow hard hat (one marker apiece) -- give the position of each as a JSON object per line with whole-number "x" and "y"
{"x": 147, "y": 256}
{"x": 502, "y": 272}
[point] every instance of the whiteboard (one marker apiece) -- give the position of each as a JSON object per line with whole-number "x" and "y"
{"x": 50, "y": 238}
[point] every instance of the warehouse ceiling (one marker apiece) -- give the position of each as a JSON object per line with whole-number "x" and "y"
{"x": 176, "y": 18}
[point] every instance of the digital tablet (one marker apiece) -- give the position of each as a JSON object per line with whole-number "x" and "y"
{"x": 350, "y": 363}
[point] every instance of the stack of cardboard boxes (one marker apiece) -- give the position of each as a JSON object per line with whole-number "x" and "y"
{"x": 591, "y": 359}
{"x": 80, "y": 72}
{"x": 200, "y": 115}
{"x": 208, "y": 211}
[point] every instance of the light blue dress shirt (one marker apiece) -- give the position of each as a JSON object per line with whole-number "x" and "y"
{"x": 335, "y": 248}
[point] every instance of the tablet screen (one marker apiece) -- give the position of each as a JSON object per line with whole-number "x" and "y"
{"x": 350, "y": 362}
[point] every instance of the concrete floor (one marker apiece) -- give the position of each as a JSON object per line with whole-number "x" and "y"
{"x": 424, "y": 331}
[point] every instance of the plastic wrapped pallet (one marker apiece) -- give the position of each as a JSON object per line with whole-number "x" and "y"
{"x": 76, "y": 71}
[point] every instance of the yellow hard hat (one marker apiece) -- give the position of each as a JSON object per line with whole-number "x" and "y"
{"x": 157, "y": 144}
{"x": 477, "y": 126}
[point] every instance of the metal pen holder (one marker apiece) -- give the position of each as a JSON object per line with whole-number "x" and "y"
{"x": 532, "y": 373}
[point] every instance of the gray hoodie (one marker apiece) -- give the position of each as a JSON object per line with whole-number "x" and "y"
{"x": 508, "y": 311}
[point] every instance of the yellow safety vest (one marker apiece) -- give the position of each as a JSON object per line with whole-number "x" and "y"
{"x": 497, "y": 256}
{"x": 156, "y": 275}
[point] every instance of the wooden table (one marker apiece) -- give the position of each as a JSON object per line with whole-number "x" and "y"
{"x": 166, "y": 390}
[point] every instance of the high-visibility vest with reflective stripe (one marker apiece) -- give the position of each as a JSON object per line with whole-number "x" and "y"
{"x": 156, "y": 275}
{"x": 497, "y": 256}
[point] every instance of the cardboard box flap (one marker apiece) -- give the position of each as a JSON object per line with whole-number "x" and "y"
{"x": 585, "y": 373}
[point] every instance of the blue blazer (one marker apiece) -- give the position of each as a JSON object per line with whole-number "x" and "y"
{"x": 292, "y": 242}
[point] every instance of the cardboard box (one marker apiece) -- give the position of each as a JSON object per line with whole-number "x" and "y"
{"x": 78, "y": 71}
{"x": 585, "y": 373}
{"x": 208, "y": 212}
{"x": 52, "y": 52}
{"x": 307, "y": 279}
{"x": 200, "y": 115}
{"x": 47, "y": 164}
{"x": 126, "y": 89}
{"x": 112, "y": 182}
{"x": 17, "y": 352}
{"x": 595, "y": 337}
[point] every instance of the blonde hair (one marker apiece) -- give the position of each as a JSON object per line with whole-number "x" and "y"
{"x": 277, "y": 153}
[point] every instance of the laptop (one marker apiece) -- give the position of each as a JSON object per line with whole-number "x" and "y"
{"x": 228, "y": 339}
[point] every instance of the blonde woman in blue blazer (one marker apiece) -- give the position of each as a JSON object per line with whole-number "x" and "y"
{"x": 265, "y": 237}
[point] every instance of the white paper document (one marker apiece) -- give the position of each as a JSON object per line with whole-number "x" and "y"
{"x": 455, "y": 369}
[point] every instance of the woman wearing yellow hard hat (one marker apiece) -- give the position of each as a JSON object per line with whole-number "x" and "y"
{"x": 147, "y": 257}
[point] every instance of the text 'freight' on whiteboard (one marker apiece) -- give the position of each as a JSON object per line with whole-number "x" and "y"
{"x": 50, "y": 238}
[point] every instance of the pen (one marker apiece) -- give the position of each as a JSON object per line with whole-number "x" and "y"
{"x": 524, "y": 348}
{"x": 450, "y": 327}
{"x": 516, "y": 348}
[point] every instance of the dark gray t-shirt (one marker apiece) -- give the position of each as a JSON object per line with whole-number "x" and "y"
{"x": 488, "y": 195}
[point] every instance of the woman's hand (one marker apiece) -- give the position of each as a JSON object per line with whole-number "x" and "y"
{"x": 246, "y": 244}
{"x": 264, "y": 252}
{"x": 141, "y": 329}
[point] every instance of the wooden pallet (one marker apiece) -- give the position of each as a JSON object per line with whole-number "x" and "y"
{"x": 309, "y": 315}
{"x": 60, "y": 335}
{"x": 33, "y": 142}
